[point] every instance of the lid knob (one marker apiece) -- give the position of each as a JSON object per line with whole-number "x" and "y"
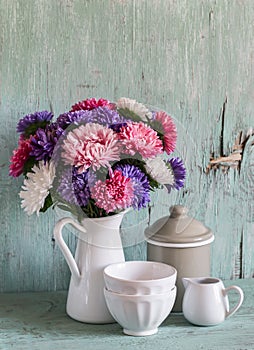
{"x": 178, "y": 210}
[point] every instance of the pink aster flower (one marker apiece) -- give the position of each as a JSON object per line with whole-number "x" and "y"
{"x": 89, "y": 104}
{"x": 91, "y": 145}
{"x": 20, "y": 156}
{"x": 116, "y": 193}
{"x": 140, "y": 138}
{"x": 168, "y": 129}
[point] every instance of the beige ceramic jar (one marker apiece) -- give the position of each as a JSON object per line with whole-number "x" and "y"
{"x": 183, "y": 242}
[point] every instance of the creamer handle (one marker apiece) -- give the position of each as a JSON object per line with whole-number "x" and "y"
{"x": 240, "y": 301}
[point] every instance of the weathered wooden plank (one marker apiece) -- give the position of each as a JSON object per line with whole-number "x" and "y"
{"x": 39, "y": 321}
{"x": 193, "y": 59}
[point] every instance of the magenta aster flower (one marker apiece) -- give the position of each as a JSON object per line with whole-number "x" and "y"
{"x": 116, "y": 193}
{"x": 20, "y": 156}
{"x": 90, "y": 104}
{"x": 91, "y": 145}
{"x": 179, "y": 171}
{"x": 167, "y": 128}
{"x": 140, "y": 138}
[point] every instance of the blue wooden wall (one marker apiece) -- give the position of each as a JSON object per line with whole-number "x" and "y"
{"x": 191, "y": 58}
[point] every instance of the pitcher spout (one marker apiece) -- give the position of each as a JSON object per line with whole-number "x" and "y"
{"x": 186, "y": 281}
{"x": 190, "y": 280}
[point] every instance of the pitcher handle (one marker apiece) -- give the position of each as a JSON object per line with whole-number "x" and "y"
{"x": 240, "y": 301}
{"x": 63, "y": 246}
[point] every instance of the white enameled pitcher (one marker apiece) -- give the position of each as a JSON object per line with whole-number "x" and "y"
{"x": 98, "y": 245}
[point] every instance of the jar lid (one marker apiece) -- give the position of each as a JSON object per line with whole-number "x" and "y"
{"x": 178, "y": 230}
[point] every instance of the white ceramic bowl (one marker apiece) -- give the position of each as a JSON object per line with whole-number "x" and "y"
{"x": 140, "y": 315}
{"x": 140, "y": 277}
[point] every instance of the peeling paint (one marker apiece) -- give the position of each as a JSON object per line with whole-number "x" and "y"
{"x": 233, "y": 160}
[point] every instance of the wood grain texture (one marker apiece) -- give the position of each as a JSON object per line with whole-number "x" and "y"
{"x": 38, "y": 321}
{"x": 194, "y": 59}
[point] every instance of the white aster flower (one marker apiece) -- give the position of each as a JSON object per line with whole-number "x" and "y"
{"x": 157, "y": 168}
{"x": 36, "y": 187}
{"x": 134, "y": 107}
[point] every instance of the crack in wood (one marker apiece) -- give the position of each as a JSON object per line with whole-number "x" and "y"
{"x": 86, "y": 86}
{"x": 210, "y": 17}
{"x": 241, "y": 256}
{"x": 53, "y": 242}
{"x": 149, "y": 214}
{"x": 222, "y": 127}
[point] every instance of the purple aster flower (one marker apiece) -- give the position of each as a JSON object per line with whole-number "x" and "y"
{"x": 179, "y": 171}
{"x": 75, "y": 187}
{"x": 106, "y": 116}
{"x": 44, "y": 141}
{"x": 31, "y": 122}
{"x": 153, "y": 115}
{"x": 65, "y": 187}
{"x": 76, "y": 117}
{"x": 140, "y": 184}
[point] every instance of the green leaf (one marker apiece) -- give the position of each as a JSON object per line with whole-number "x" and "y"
{"x": 141, "y": 165}
{"x": 92, "y": 211}
{"x": 157, "y": 126}
{"x": 29, "y": 165}
{"x": 31, "y": 129}
{"x": 126, "y": 113}
{"x": 47, "y": 204}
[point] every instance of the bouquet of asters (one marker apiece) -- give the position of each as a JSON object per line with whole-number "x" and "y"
{"x": 97, "y": 159}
